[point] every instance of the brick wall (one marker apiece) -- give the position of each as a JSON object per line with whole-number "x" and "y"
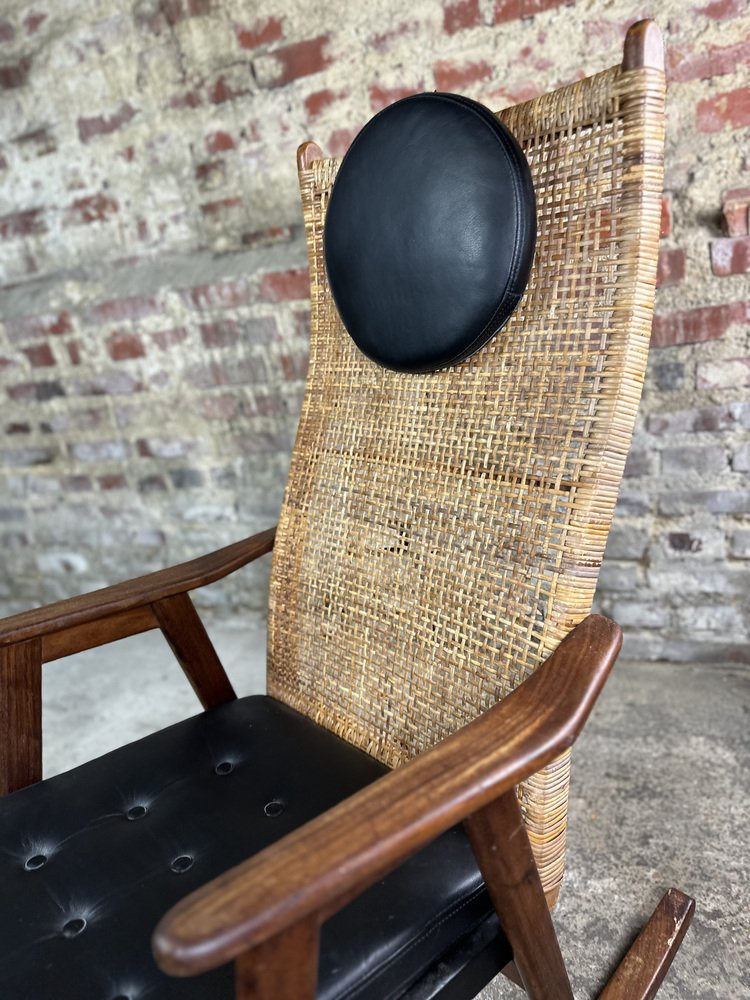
{"x": 153, "y": 299}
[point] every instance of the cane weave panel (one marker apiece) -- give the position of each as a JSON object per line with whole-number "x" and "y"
{"x": 441, "y": 533}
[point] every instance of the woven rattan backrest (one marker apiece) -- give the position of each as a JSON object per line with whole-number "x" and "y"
{"x": 441, "y": 533}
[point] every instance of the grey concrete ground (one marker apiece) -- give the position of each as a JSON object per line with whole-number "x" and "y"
{"x": 660, "y": 796}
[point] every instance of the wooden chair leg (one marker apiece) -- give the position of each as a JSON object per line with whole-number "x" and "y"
{"x": 184, "y": 631}
{"x": 20, "y": 715}
{"x": 641, "y": 972}
{"x": 284, "y": 966}
{"x": 501, "y": 845}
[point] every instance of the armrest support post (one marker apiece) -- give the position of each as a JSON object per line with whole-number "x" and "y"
{"x": 283, "y": 966}
{"x": 194, "y": 651}
{"x": 501, "y": 846}
{"x": 20, "y": 715}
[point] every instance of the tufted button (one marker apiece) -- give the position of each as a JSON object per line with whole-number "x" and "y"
{"x": 74, "y": 927}
{"x": 226, "y": 767}
{"x": 38, "y": 861}
{"x": 182, "y": 864}
{"x": 136, "y": 812}
{"x": 273, "y": 808}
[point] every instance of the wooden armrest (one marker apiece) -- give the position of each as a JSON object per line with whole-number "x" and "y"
{"x": 157, "y": 600}
{"x": 128, "y": 597}
{"x": 313, "y": 872}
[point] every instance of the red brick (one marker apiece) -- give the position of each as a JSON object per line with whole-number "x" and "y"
{"x": 220, "y": 207}
{"x": 665, "y": 228}
{"x": 218, "y": 295}
{"x": 118, "y": 310}
{"x": 88, "y": 128}
{"x": 222, "y": 333}
{"x": 683, "y": 63}
{"x": 124, "y": 346}
{"x": 294, "y": 366}
{"x": 94, "y": 208}
{"x": 165, "y": 339}
{"x": 43, "y": 325}
{"x": 74, "y": 351}
{"x": 33, "y": 22}
{"x": 319, "y": 101}
{"x": 693, "y": 326}
{"x": 302, "y": 324}
{"x": 16, "y": 75}
{"x": 453, "y": 77}
{"x": 381, "y": 97}
{"x": 730, "y": 255}
{"x": 735, "y": 210}
{"x": 670, "y": 268}
{"x": 218, "y": 142}
{"x": 461, "y": 14}
{"x": 7, "y": 31}
{"x": 263, "y": 237}
{"x": 267, "y": 405}
{"x": 112, "y": 482}
{"x": 39, "y": 142}
{"x": 210, "y": 174}
{"x": 237, "y": 372}
{"x": 189, "y": 99}
{"x": 297, "y": 60}
{"x": 40, "y": 356}
{"x": 35, "y": 392}
{"x": 730, "y": 108}
{"x": 221, "y": 91}
{"x": 510, "y": 10}
{"x": 722, "y": 10}
{"x": 24, "y": 223}
{"x": 270, "y": 29}
{"x": 284, "y": 286}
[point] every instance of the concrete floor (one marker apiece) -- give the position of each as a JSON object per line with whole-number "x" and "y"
{"x": 660, "y": 796}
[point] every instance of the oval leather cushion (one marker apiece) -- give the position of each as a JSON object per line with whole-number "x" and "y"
{"x": 430, "y": 231}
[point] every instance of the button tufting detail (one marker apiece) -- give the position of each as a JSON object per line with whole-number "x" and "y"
{"x": 273, "y": 808}
{"x": 182, "y": 864}
{"x": 226, "y": 767}
{"x": 136, "y": 812}
{"x": 74, "y": 927}
{"x": 38, "y": 861}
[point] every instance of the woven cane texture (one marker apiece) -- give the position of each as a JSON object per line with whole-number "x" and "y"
{"x": 441, "y": 533}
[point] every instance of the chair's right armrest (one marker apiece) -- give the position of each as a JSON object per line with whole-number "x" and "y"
{"x": 312, "y": 872}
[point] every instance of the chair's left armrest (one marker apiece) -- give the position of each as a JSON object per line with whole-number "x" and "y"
{"x": 157, "y": 600}
{"x": 313, "y": 872}
{"x": 128, "y": 604}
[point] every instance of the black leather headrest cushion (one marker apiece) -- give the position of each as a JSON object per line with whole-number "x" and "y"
{"x": 430, "y": 232}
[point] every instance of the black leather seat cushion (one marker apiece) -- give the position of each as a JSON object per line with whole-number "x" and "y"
{"x": 90, "y": 861}
{"x": 430, "y": 232}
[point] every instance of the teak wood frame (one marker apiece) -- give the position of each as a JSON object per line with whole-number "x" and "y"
{"x": 265, "y": 914}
